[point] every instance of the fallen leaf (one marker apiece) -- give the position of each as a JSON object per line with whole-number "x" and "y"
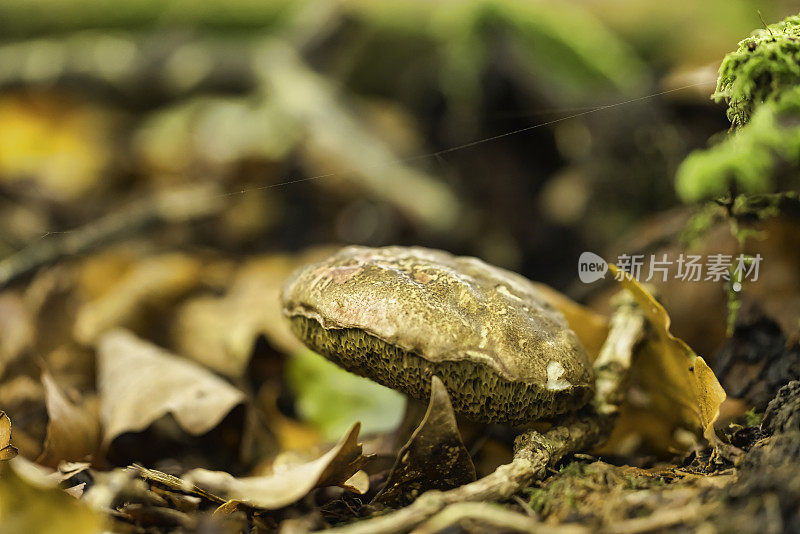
{"x": 73, "y": 429}
{"x": 434, "y": 457}
{"x": 76, "y": 491}
{"x": 358, "y": 483}
{"x": 681, "y": 388}
{"x": 16, "y": 327}
{"x": 7, "y": 451}
{"x": 140, "y": 382}
{"x": 30, "y": 501}
{"x": 150, "y": 284}
{"x": 282, "y": 488}
{"x": 328, "y": 397}
{"x": 67, "y": 470}
{"x": 23, "y": 397}
{"x": 220, "y": 332}
{"x": 60, "y": 146}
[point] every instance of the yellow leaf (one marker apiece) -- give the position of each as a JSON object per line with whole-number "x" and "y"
{"x": 73, "y": 429}
{"x": 7, "y": 451}
{"x": 681, "y": 388}
{"x": 61, "y": 146}
{"x": 143, "y": 288}
{"x": 32, "y": 502}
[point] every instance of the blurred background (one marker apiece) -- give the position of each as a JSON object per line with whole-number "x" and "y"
{"x": 362, "y": 105}
{"x": 165, "y": 164}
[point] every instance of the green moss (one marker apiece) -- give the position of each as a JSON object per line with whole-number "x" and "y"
{"x": 475, "y": 390}
{"x": 751, "y": 159}
{"x": 760, "y": 82}
{"x": 761, "y": 207}
{"x": 765, "y": 65}
{"x": 538, "y": 499}
{"x": 576, "y": 487}
{"x": 753, "y": 418}
{"x": 699, "y": 224}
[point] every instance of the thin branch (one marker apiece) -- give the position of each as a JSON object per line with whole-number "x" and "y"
{"x": 177, "y": 205}
{"x": 498, "y": 517}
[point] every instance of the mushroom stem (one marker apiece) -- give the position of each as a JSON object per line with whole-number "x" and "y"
{"x": 535, "y": 451}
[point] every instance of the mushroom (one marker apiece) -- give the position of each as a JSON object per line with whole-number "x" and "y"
{"x": 399, "y": 315}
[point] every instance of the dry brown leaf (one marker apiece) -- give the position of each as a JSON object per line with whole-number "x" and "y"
{"x": 590, "y": 327}
{"x": 16, "y": 327}
{"x": 73, "y": 429}
{"x": 358, "y": 483}
{"x": 433, "y": 458}
{"x": 151, "y": 283}
{"x": 335, "y": 468}
{"x": 681, "y": 388}
{"x": 23, "y": 397}
{"x": 76, "y": 491}
{"x": 140, "y": 382}
{"x": 7, "y": 451}
{"x": 220, "y": 332}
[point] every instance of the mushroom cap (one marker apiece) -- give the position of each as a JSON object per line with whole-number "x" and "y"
{"x": 397, "y": 315}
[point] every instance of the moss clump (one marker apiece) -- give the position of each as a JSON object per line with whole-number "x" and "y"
{"x": 475, "y": 390}
{"x": 760, "y": 82}
{"x": 765, "y": 65}
{"x": 751, "y": 159}
{"x": 594, "y": 492}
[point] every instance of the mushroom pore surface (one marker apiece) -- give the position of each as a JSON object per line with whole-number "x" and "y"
{"x": 398, "y": 315}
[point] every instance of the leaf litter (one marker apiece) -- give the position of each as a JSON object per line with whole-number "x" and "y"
{"x": 189, "y": 337}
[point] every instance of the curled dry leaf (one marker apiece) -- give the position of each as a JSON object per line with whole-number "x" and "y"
{"x": 681, "y": 388}
{"x": 140, "y": 382}
{"x": 7, "y": 451}
{"x": 151, "y": 283}
{"x": 73, "y": 429}
{"x": 337, "y": 467}
{"x": 434, "y": 457}
{"x": 358, "y": 483}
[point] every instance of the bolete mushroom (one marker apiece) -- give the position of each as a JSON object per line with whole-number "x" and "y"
{"x": 399, "y": 315}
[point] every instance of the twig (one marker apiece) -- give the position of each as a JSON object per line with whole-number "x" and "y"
{"x": 661, "y": 519}
{"x": 534, "y": 451}
{"x": 177, "y": 205}
{"x": 492, "y": 515}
